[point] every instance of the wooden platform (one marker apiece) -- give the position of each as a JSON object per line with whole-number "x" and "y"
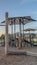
{"x": 22, "y": 52}
{"x": 17, "y": 52}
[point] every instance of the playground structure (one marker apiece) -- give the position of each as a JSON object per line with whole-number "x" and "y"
{"x": 15, "y": 20}
{"x": 30, "y": 37}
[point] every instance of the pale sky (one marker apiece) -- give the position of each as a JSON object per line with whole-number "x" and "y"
{"x": 18, "y": 8}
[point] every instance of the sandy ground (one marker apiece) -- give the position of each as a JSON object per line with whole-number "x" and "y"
{"x": 18, "y": 60}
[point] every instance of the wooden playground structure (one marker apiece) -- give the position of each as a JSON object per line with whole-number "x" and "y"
{"x": 15, "y": 20}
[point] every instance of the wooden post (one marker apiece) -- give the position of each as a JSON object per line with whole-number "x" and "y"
{"x": 23, "y": 36}
{"x": 20, "y": 29}
{"x": 6, "y": 33}
{"x": 23, "y": 31}
{"x": 20, "y": 39}
{"x": 12, "y": 29}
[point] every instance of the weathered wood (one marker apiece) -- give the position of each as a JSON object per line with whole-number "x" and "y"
{"x": 22, "y": 52}
{"x": 17, "y": 52}
{"x": 11, "y": 20}
{"x": 6, "y": 33}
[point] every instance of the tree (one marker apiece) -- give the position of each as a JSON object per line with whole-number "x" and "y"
{"x": 2, "y": 37}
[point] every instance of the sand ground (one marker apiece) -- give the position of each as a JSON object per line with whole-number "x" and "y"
{"x": 18, "y": 59}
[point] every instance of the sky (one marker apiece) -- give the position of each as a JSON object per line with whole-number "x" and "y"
{"x": 18, "y": 8}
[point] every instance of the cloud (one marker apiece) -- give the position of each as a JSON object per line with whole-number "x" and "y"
{"x": 26, "y": 1}
{"x": 22, "y": 2}
{"x": 33, "y": 12}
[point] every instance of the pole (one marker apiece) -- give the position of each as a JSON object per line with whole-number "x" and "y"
{"x": 6, "y": 33}
{"x": 14, "y": 29}
{"x": 20, "y": 27}
{"x": 23, "y": 31}
{"x": 20, "y": 39}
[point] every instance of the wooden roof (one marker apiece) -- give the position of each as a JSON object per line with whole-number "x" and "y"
{"x": 30, "y": 29}
{"x": 17, "y": 20}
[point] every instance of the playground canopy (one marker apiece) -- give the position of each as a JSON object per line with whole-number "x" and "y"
{"x": 14, "y": 20}
{"x": 30, "y": 29}
{"x": 18, "y": 20}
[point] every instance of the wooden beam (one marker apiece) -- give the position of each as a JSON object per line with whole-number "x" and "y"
{"x": 6, "y": 33}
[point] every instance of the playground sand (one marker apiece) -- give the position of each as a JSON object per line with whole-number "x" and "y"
{"x": 16, "y": 59}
